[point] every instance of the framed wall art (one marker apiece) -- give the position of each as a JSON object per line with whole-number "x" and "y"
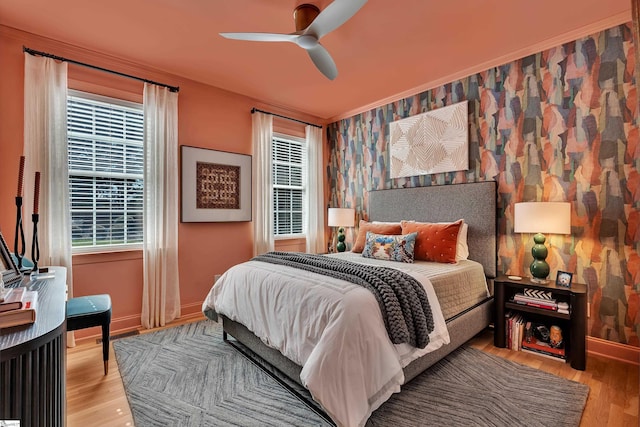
{"x": 432, "y": 142}
{"x": 216, "y": 185}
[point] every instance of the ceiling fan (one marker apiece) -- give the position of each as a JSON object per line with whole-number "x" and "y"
{"x": 311, "y": 26}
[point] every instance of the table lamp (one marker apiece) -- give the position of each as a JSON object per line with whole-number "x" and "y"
{"x": 541, "y": 217}
{"x": 341, "y": 217}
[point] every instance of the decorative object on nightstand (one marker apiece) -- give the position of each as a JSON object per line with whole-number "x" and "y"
{"x": 341, "y": 217}
{"x": 541, "y": 217}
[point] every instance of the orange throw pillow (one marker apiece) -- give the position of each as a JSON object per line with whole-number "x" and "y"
{"x": 435, "y": 242}
{"x": 377, "y": 228}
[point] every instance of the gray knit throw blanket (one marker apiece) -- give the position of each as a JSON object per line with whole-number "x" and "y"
{"x": 402, "y": 299}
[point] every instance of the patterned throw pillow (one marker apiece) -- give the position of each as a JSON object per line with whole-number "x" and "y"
{"x": 390, "y": 247}
{"x": 374, "y": 227}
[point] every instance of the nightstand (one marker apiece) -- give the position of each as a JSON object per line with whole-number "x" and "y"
{"x": 574, "y": 324}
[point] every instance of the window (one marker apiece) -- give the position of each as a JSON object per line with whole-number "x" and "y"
{"x": 105, "y": 138}
{"x": 289, "y": 170}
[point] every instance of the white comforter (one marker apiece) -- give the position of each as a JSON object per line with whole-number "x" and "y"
{"x": 332, "y": 328}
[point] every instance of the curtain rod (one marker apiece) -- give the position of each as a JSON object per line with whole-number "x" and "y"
{"x": 253, "y": 110}
{"x": 106, "y": 70}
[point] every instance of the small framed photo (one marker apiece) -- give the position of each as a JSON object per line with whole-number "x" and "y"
{"x": 564, "y": 279}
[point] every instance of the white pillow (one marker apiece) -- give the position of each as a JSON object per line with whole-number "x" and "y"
{"x": 462, "y": 249}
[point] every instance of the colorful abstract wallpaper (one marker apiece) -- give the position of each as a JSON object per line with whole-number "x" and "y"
{"x": 560, "y": 125}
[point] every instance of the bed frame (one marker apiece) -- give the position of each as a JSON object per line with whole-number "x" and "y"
{"x": 476, "y": 203}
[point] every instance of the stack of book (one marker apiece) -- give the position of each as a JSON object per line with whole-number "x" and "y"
{"x": 515, "y": 330}
{"x": 18, "y": 307}
{"x": 536, "y": 298}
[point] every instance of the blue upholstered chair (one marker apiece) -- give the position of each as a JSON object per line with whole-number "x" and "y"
{"x": 89, "y": 311}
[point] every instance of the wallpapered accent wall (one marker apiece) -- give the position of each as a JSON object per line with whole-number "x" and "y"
{"x": 560, "y": 125}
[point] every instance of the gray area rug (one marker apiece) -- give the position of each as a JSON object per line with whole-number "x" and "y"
{"x": 188, "y": 376}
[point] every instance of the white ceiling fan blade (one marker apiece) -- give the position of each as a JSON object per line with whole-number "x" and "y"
{"x": 334, "y": 15}
{"x": 323, "y": 61}
{"x": 261, "y": 37}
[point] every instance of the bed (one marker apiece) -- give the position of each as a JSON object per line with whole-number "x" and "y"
{"x": 474, "y": 203}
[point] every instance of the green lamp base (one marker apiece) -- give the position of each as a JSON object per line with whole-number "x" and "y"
{"x": 341, "y": 246}
{"x": 539, "y": 267}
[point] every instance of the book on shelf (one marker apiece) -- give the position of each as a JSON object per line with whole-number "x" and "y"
{"x": 507, "y": 329}
{"x": 22, "y": 316}
{"x": 523, "y": 297}
{"x": 538, "y": 294}
{"x": 520, "y": 334}
{"x": 536, "y": 305}
{"x": 563, "y": 307}
{"x": 12, "y": 299}
{"x": 514, "y": 330}
{"x": 541, "y": 346}
{"x": 534, "y": 302}
{"x": 543, "y": 353}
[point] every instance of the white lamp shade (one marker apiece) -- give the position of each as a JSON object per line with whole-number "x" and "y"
{"x": 341, "y": 217}
{"x": 542, "y": 217}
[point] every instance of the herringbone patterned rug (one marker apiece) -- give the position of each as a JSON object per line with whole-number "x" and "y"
{"x": 187, "y": 376}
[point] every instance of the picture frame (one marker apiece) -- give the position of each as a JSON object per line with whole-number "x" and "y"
{"x": 216, "y": 185}
{"x": 8, "y": 268}
{"x": 564, "y": 279}
{"x": 415, "y": 140}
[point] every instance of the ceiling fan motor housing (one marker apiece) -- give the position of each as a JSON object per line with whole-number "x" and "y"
{"x": 304, "y": 15}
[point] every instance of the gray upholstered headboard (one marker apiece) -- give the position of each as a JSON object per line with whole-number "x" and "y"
{"x": 474, "y": 202}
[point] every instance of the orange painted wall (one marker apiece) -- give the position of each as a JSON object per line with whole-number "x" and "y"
{"x": 208, "y": 118}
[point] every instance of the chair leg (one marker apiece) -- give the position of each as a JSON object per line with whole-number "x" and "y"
{"x": 105, "y": 346}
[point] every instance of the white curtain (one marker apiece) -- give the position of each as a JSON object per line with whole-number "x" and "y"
{"x": 45, "y": 151}
{"x": 262, "y": 132}
{"x": 316, "y": 242}
{"x": 161, "y": 288}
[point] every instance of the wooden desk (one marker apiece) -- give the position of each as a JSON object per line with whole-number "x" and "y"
{"x": 33, "y": 359}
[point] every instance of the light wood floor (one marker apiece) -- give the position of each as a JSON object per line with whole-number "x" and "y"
{"x": 94, "y": 399}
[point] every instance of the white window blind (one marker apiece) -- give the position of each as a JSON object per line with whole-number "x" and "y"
{"x": 105, "y": 138}
{"x": 288, "y": 185}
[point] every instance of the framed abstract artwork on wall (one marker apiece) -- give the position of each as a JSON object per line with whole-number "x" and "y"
{"x": 216, "y": 185}
{"x": 432, "y": 142}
